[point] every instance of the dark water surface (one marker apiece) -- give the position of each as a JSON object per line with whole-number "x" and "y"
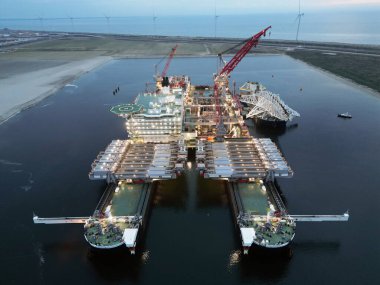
{"x": 46, "y": 152}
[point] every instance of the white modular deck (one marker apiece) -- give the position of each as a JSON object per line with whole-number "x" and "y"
{"x": 125, "y": 159}
{"x": 243, "y": 158}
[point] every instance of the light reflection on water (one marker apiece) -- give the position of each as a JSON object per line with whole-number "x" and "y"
{"x": 190, "y": 236}
{"x": 235, "y": 258}
{"x": 145, "y": 256}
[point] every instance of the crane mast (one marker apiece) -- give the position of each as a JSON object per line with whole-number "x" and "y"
{"x": 221, "y": 78}
{"x": 171, "y": 55}
{"x": 230, "y": 66}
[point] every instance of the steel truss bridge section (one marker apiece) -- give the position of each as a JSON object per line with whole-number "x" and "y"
{"x": 266, "y": 105}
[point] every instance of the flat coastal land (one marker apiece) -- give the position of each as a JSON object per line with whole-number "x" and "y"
{"x": 29, "y": 72}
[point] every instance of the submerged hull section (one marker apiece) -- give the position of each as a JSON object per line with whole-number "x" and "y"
{"x": 263, "y": 123}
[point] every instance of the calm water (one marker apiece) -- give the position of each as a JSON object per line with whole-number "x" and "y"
{"x": 46, "y": 151}
{"x": 344, "y": 26}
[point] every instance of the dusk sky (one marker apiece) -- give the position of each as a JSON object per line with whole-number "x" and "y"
{"x": 85, "y": 8}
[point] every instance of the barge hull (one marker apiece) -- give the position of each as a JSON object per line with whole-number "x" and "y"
{"x": 247, "y": 231}
{"x": 132, "y": 234}
{"x": 262, "y": 123}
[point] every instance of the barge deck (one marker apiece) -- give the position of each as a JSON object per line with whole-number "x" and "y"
{"x": 258, "y": 217}
{"x": 120, "y": 217}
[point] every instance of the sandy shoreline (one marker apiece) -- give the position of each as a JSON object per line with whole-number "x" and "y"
{"x": 22, "y": 91}
{"x": 34, "y": 71}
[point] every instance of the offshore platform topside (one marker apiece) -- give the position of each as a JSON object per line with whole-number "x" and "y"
{"x": 162, "y": 125}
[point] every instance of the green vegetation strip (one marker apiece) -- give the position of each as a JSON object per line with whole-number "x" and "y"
{"x": 362, "y": 69}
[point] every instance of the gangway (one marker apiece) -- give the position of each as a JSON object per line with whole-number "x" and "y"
{"x": 60, "y": 220}
{"x": 83, "y": 220}
{"x": 321, "y": 218}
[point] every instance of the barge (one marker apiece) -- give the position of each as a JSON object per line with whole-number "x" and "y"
{"x": 120, "y": 217}
{"x": 162, "y": 125}
{"x": 260, "y": 220}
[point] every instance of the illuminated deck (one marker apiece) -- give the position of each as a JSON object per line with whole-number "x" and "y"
{"x": 260, "y": 218}
{"x": 126, "y": 159}
{"x": 201, "y": 108}
{"x": 241, "y": 158}
{"x": 157, "y": 116}
{"x": 119, "y": 216}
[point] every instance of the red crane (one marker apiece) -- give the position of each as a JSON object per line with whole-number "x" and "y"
{"x": 228, "y": 68}
{"x": 171, "y": 54}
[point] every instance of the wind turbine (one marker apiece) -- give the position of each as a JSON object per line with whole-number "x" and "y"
{"x": 299, "y": 16}
{"x": 154, "y": 21}
{"x": 108, "y": 22}
{"x": 41, "y": 19}
{"x": 215, "y": 18}
{"x": 72, "y": 22}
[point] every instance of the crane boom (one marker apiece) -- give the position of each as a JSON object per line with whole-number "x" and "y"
{"x": 230, "y": 66}
{"x": 221, "y": 78}
{"x": 171, "y": 55}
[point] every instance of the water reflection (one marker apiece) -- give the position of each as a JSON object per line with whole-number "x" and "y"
{"x": 209, "y": 193}
{"x": 264, "y": 264}
{"x": 171, "y": 194}
{"x": 117, "y": 264}
{"x": 273, "y": 133}
{"x": 234, "y": 258}
{"x": 315, "y": 245}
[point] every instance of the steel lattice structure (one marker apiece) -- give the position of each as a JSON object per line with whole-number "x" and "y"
{"x": 267, "y": 105}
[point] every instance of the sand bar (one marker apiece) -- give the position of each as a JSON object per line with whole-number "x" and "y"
{"x": 31, "y": 72}
{"x": 21, "y": 91}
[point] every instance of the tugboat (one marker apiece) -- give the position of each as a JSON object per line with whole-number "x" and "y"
{"x": 345, "y": 115}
